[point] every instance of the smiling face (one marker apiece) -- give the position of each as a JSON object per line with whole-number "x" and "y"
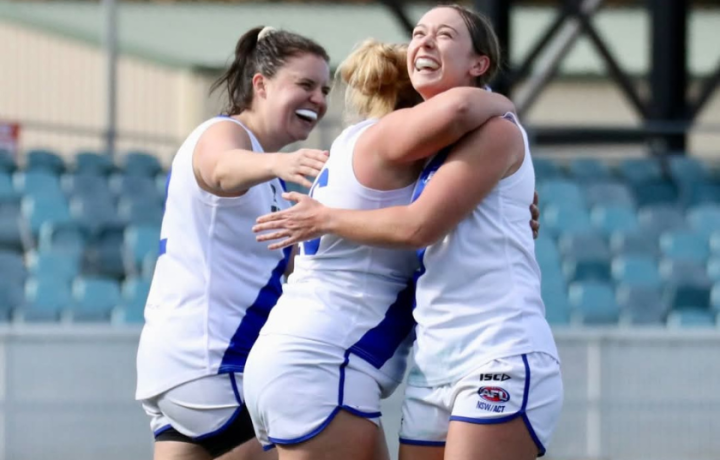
{"x": 295, "y": 99}
{"x": 441, "y": 54}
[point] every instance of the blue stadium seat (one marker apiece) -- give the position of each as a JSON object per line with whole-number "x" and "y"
{"x": 704, "y": 219}
{"x": 697, "y": 193}
{"x": 136, "y": 188}
{"x": 546, "y": 169}
{"x": 683, "y": 271}
{"x": 12, "y": 266}
{"x": 609, "y": 193}
{"x": 557, "y": 306}
{"x": 614, "y": 218}
{"x": 658, "y": 219}
{"x": 44, "y": 160}
{"x": 587, "y": 269}
{"x": 546, "y": 251}
{"x": 561, "y": 193}
{"x": 148, "y": 266}
{"x": 59, "y": 265}
{"x": 140, "y": 240}
{"x": 687, "y": 294}
{"x": 46, "y": 301}
{"x": 104, "y": 254}
{"x": 584, "y": 245}
{"x": 94, "y": 212}
{"x": 7, "y": 162}
{"x": 715, "y": 298}
{"x": 589, "y": 170}
{"x": 641, "y": 305}
{"x": 713, "y": 269}
{"x": 63, "y": 237}
{"x": 6, "y": 187}
{"x": 594, "y": 302}
{"x": 691, "y": 318}
{"x": 11, "y": 236}
{"x": 93, "y": 163}
{"x": 94, "y": 299}
{"x": 640, "y": 170}
{"x": 141, "y": 164}
{"x": 656, "y": 193}
{"x": 39, "y": 183}
{"x": 685, "y": 169}
{"x": 40, "y": 210}
{"x": 685, "y": 245}
{"x": 134, "y": 295}
{"x": 558, "y": 220}
{"x": 140, "y": 212}
{"x": 636, "y": 270}
{"x": 86, "y": 185}
{"x": 161, "y": 183}
{"x": 634, "y": 242}
{"x": 12, "y": 297}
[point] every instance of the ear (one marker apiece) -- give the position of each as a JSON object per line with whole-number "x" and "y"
{"x": 259, "y": 83}
{"x": 480, "y": 65}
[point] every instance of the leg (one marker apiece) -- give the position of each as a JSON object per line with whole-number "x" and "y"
{"x": 347, "y": 437}
{"x": 176, "y": 450}
{"x": 503, "y": 441}
{"x": 411, "y": 452}
{"x": 250, "y": 450}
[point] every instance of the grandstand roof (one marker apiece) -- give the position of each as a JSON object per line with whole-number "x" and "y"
{"x": 202, "y": 35}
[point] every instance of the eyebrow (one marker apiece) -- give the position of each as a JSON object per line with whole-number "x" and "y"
{"x": 442, "y": 26}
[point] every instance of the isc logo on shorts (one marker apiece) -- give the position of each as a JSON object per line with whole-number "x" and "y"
{"x": 494, "y": 394}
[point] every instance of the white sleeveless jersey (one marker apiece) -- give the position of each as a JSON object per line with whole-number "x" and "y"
{"x": 347, "y": 294}
{"x": 213, "y": 285}
{"x": 478, "y": 289}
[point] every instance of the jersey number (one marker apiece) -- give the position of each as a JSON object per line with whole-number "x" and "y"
{"x": 311, "y": 247}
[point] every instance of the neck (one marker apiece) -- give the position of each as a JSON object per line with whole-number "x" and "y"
{"x": 253, "y": 121}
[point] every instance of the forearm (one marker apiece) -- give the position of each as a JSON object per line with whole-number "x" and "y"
{"x": 393, "y": 227}
{"x": 238, "y": 170}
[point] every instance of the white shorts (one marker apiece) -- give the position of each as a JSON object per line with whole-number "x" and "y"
{"x": 294, "y": 387}
{"x": 198, "y": 409}
{"x": 528, "y": 386}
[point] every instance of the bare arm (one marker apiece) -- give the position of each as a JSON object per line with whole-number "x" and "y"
{"x": 423, "y": 130}
{"x": 225, "y": 165}
{"x": 476, "y": 165}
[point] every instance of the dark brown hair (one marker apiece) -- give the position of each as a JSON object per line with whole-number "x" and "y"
{"x": 264, "y": 55}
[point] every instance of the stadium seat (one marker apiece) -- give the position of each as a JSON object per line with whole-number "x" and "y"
{"x": 589, "y": 170}
{"x": 140, "y": 212}
{"x": 691, "y": 318}
{"x": 94, "y": 299}
{"x": 6, "y": 186}
{"x": 104, "y": 254}
{"x": 715, "y": 298}
{"x": 640, "y": 305}
{"x": 636, "y": 270}
{"x": 546, "y": 169}
{"x": 704, "y": 219}
{"x": 141, "y": 164}
{"x": 634, "y": 242}
{"x": 46, "y": 301}
{"x": 561, "y": 193}
{"x": 685, "y": 245}
{"x": 557, "y": 307}
{"x": 37, "y": 183}
{"x": 614, "y": 218}
{"x": 587, "y": 269}
{"x": 594, "y": 302}
{"x": 86, "y": 185}
{"x": 134, "y": 295}
{"x": 640, "y": 170}
{"x": 40, "y": 210}
{"x": 609, "y": 193}
{"x": 12, "y": 297}
{"x": 148, "y": 266}
{"x": 697, "y": 193}
{"x": 558, "y": 220}
{"x": 92, "y": 163}
{"x": 161, "y": 183}
{"x": 12, "y": 266}
{"x": 658, "y": 219}
{"x": 713, "y": 269}
{"x": 59, "y": 265}
{"x": 136, "y": 188}
{"x": 656, "y": 193}
{"x": 11, "y": 236}
{"x": 546, "y": 251}
{"x": 7, "y": 162}
{"x": 63, "y": 237}
{"x": 584, "y": 245}
{"x": 44, "y": 160}
{"x": 683, "y": 271}
{"x": 684, "y": 169}
{"x": 94, "y": 212}
{"x": 687, "y": 294}
{"x": 140, "y": 240}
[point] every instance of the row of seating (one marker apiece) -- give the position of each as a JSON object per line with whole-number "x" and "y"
{"x": 131, "y": 163}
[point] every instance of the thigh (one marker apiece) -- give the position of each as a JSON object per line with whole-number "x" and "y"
{"x": 346, "y": 437}
{"x": 503, "y": 441}
{"x": 176, "y": 450}
{"x": 251, "y": 450}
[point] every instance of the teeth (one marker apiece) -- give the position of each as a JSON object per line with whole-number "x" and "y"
{"x": 425, "y": 63}
{"x": 309, "y": 114}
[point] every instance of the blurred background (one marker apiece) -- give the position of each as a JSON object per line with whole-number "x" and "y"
{"x": 619, "y": 99}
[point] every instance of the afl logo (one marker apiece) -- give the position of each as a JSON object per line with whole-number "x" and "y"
{"x": 494, "y": 394}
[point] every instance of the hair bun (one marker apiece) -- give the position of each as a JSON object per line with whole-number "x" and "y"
{"x": 267, "y": 30}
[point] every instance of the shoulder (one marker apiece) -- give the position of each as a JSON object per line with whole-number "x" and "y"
{"x": 226, "y": 133}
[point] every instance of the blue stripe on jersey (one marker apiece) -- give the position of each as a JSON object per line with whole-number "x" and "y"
{"x": 380, "y": 343}
{"x": 255, "y": 318}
